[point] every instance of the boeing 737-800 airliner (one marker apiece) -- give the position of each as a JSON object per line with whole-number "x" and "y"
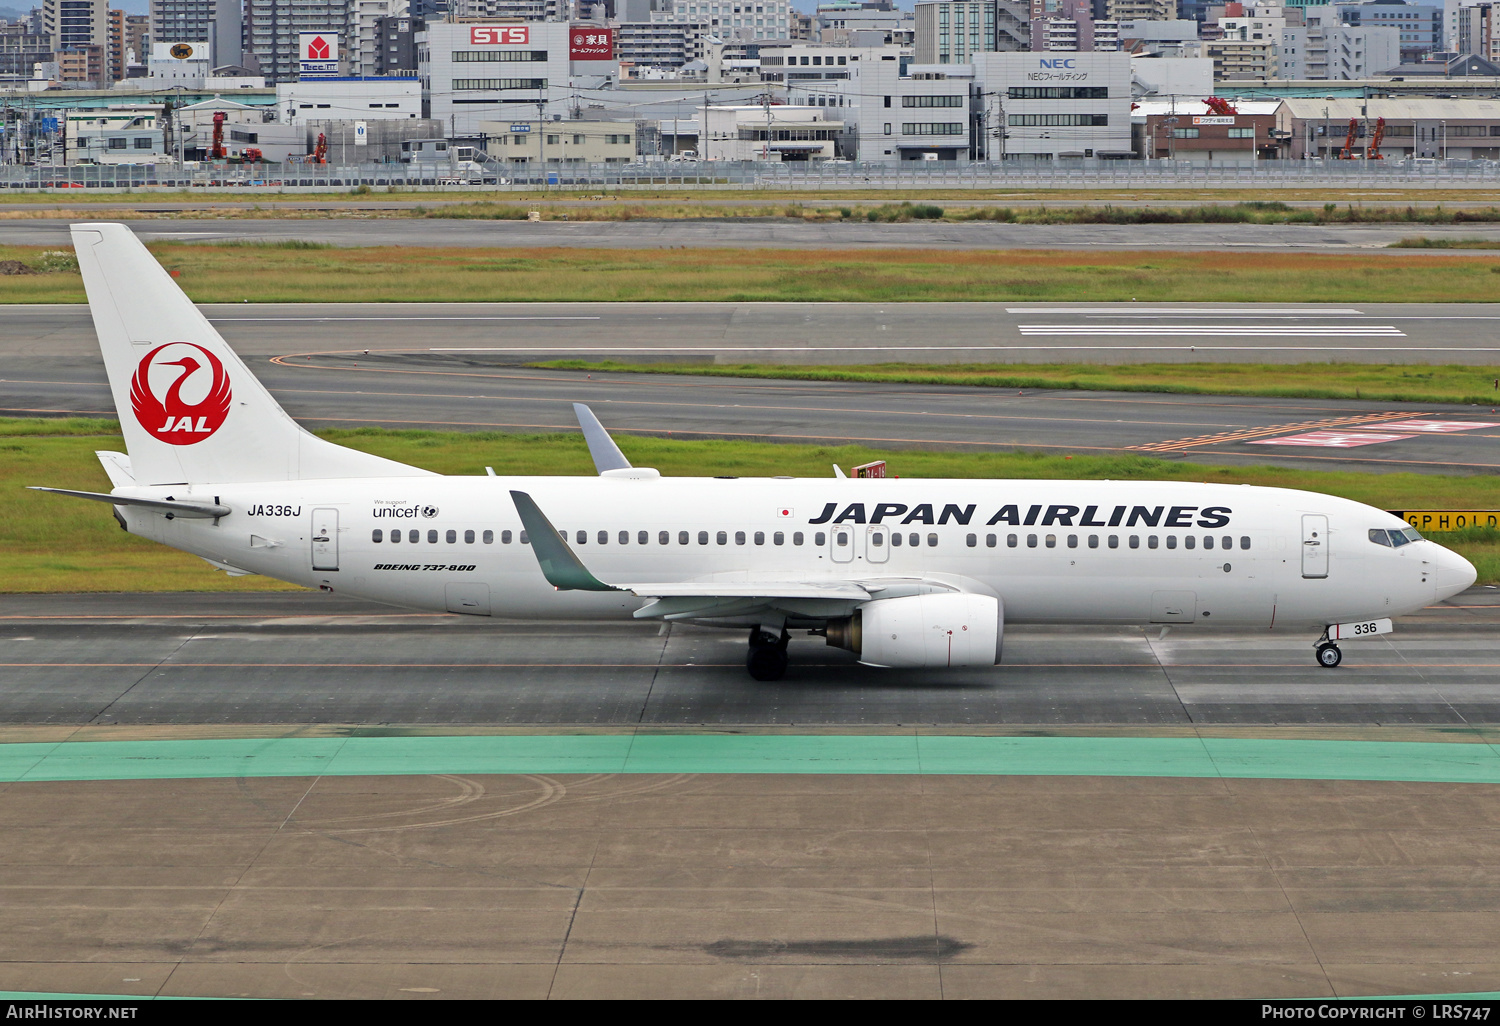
{"x": 906, "y": 573}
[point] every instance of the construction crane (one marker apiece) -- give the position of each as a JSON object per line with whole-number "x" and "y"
{"x": 1373, "y": 150}
{"x": 1220, "y": 106}
{"x": 320, "y": 154}
{"x": 1347, "y": 153}
{"x": 217, "y": 151}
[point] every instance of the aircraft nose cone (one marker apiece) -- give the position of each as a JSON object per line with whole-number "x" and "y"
{"x": 1454, "y": 574}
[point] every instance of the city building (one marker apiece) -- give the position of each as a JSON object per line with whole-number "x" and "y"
{"x": 396, "y": 48}
{"x": 21, "y": 49}
{"x": 1184, "y": 130}
{"x": 121, "y": 135}
{"x": 1414, "y": 127}
{"x": 659, "y": 44}
{"x": 473, "y": 72}
{"x": 770, "y": 132}
{"x": 1070, "y": 27}
{"x": 339, "y": 99}
{"x": 362, "y": 33}
{"x": 1325, "y": 48}
{"x": 216, "y": 21}
{"x": 523, "y": 10}
{"x": 731, "y": 19}
{"x": 559, "y": 142}
{"x": 1140, "y": 10}
{"x": 272, "y": 28}
{"x": 951, "y": 31}
{"x": 75, "y": 24}
{"x": 1038, "y": 110}
{"x": 1419, "y": 26}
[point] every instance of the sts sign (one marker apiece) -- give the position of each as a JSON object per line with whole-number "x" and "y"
{"x": 499, "y": 35}
{"x": 590, "y": 43}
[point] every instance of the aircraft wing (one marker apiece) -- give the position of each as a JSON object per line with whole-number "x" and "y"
{"x": 735, "y": 595}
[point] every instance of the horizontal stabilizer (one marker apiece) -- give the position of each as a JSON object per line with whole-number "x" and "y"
{"x": 173, "y": 507}
{"x": 606, "y": 454}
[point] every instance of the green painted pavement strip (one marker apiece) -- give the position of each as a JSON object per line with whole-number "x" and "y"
{"x": 720, "y": 753}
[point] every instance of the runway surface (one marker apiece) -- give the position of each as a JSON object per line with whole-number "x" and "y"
{"x": 692, "y": 884}
{"x": 771, "y": 233}
{"x": 455, "y": 368}
{"x": 307, "y": 658}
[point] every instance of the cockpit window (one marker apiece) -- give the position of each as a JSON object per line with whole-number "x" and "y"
{"x": 1394, "y": 537}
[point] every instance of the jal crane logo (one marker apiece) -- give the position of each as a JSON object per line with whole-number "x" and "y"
{"x": 175, "y": 419}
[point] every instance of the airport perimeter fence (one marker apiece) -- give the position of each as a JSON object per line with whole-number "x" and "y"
{"x": 753, "y": 175}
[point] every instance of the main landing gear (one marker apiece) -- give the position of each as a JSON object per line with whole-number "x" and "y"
{"x": 767, "y": 657}
{"x": 1327, "y": 653}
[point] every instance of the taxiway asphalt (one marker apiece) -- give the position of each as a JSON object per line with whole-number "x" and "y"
{"x": 309, "y": 658}
{"x": 456, "y": 367}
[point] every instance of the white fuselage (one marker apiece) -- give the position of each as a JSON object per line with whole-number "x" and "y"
{"x": 1052, "y": 551}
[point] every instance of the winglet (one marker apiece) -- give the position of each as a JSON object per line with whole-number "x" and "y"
{"x": 838, "y": 471}
{"x": 606, "y": 454}
{"x": 563, "y": 570}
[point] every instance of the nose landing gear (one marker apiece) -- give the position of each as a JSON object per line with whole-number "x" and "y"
{"x": 767, "y": 657}
{"x": 1327, "y": 653}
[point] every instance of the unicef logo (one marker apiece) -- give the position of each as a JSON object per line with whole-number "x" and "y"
{"x": 429, "y": 512}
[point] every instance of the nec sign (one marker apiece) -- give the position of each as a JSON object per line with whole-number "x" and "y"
{"x": 1060, "y": 62}
{"x": 499, "y": 35}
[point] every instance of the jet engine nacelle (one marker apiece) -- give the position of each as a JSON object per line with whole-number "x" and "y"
{"x": 924, "y": 630}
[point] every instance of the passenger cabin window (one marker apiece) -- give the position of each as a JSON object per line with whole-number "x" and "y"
{"x": 395, "y": 536}
{"x": 1208, "y": 541}
{"x": 739, "y": 537}
{"x": 1188, "y": 542}
{"x": 1010, "y": 541}
{"x": 1093, "y": 541}
{"x": 1171, "y": 541}
{"x": 452, "y": 537}
{"x": 896, "y": 539}
{"x": 468, "y": 537}
{"x": 523, "y": 539}
{"x": 1114, "y": 541}
{"x": 722, "y": 538}
{"x": 1135, "y": 541}
{"x": 1031, "y": 541}
{"x": 1051, "y": 541}
{"x": 431, "y": 537}
{"x": 702, "y": 537}
{"x": 989, "y": 541}
{"x": 643, "y": 537}
{"x": 413, "y": 536}
{"x": 377, "y": 534}
{"x": 663, "y": 537}
{"x": 1151, "y": 541}
{"x": 778, "y": 538}
{"x": 914, "y": 540}
{"x": 583, "y": 537}
{"x": 1072, "y": 541}
{"x": 796, "y": 537}
{"x": 603, "y": 537}
{"x": 682, "y": 537}
{"x": 971, "y": 540}
{"x": 932, "y": 541}
{"x": 760, "y": 537}
{"x": 820, "y": 539}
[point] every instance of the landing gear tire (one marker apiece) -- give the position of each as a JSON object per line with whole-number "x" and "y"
{"x": 767, "y": 658}
{"x": 1329, "y": 655}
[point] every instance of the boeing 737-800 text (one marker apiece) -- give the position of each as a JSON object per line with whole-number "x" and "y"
{"x": 907, "y": 573}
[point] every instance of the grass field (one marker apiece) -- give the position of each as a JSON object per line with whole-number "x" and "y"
{"x": 50, "y": 543}
{"x": 281, "y": 272}
{"x": 1420, "y": 242}
{"x": 1382, "y": 382}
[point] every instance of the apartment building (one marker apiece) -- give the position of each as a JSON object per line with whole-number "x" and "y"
{"x": 216, "y": 21}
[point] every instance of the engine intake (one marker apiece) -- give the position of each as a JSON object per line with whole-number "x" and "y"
{"x": 959, "y": 629}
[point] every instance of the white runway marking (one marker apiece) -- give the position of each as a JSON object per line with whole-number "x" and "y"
{"x": 1221, "y": 330}
{"x": 1168, "y": 311}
